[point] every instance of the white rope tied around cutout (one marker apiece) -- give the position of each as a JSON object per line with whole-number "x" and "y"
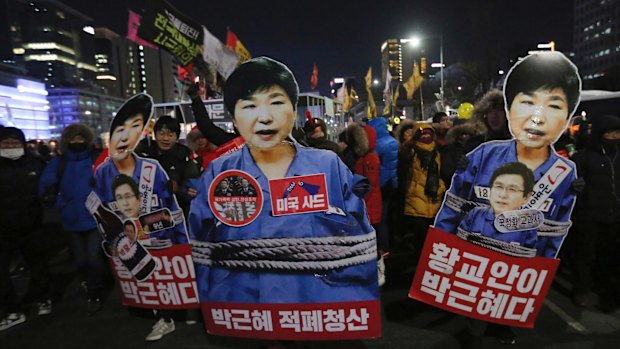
{"x": 497, "y": 245}
{"x": 549, "y": 228}
{"x": 288, "y": 254}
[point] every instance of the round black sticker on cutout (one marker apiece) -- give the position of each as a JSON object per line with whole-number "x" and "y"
{"x": 235, "y": 198}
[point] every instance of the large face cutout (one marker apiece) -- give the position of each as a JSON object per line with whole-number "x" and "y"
{"x": 265, "y": 118}
{"x": 543, "y": 88}
{"x": 128, "y": 125}
{"x": 537, "y": 119}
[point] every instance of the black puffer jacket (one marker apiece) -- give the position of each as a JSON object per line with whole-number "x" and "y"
{"x": 20, "y": 207}
{"x": 177, "y": 164}
{"x": 599, "y": 166}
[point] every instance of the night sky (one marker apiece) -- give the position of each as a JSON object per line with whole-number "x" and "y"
{"x": 344, "y": 37}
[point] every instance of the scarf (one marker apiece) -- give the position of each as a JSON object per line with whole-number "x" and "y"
{"x": 427, "y": 160}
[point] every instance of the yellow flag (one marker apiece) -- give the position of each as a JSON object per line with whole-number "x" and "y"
{"x": 372, "y": 107}
{"x": 414, "y": 81}
{"x": 368, "y": 78}
{"x": 346, "y": 103}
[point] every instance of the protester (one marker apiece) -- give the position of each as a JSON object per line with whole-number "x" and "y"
{"x": 595, "y": 243}
{"x": 419, "y": 164}
{"x": 362, "y": 140}
{"x": 20, "y": 214}
{"x": 66, "y": 183}
{"x": 316, "y": 135}
{"x": 125, "y": 132}
{"x": 489, "y": 117}
{"x": 455, "y": 148}
{"x": 540, "y": 92}
{"x": 441, "y": 124}
{"x": 200, "y": 147}
{"x": 261, "y": 95}
{"x": 173, "y": 157}
{"x": 205, "y": 125}
{"x": 387, "y": 149}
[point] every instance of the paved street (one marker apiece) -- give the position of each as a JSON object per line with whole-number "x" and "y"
{"x": 406, "y": 324}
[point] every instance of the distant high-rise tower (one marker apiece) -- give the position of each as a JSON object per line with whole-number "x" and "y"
{"x": 392, "y": 59}
{"x": 596, "y": 38}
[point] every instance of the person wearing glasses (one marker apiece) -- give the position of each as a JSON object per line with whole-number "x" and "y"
{"x": 512, "y": 184}
{"x": 541, "y": 92}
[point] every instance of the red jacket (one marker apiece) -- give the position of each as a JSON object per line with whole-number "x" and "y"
{"x": 369, "y": 166}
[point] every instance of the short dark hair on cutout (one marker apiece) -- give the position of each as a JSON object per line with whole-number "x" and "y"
{"x": 125, "y": 179}
{"x": 167, "y": 121}
{"x": 516, "y": 168}
{"x": 255, "y": 75}
{"x": 546, "y": 70}
{"x": 138, "y": 104}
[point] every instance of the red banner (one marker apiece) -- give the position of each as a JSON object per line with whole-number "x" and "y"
{"x": 223, "y": 149}
{"x": 475, "y": 282}
{"x": 307, "y": 321}
{"x": 171, "y": 286}
{"x": 301, "y": 194}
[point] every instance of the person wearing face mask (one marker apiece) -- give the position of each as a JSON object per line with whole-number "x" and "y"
{"x": 595, "y": 243}
{"x": 424, "y": 188}
{"x": 20, "y": 214}
{"x": 67, "y": 179}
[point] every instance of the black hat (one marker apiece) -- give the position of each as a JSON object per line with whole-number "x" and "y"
{"x": 314, "y": 123}
{"x": 12, "y": 132}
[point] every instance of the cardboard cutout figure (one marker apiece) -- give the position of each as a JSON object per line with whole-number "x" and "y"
{"x": 140, "y": 218}
{"x": 491, "y": 208}
{"x": 305, "y": 269}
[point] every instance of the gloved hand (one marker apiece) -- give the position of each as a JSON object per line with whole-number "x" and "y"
{"x": 578, "y": 185}
{"x": 461, "y": 163}
{"x": 193, "y": 91}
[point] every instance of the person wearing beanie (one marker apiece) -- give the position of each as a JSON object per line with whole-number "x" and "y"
{"x": 21, "y": 215}
{"x": 316, "y": 135}
{"x": 65, "y": 184}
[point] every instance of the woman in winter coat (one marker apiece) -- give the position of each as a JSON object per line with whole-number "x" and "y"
{"x": 362, "y": 140}
{"x": 68, "y": 177}
{"x": 423, "y": 188}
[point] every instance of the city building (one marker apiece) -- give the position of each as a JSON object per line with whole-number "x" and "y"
{"x": 23, "y": 104}
{"x": 597, "y": 42}
{"x": 51, "y": 40}
{"x": 71, "y": 105}
{"x": 392, "y": 59}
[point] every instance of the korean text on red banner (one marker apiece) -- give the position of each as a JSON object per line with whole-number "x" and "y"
{"x": 301, "y": 321}
{"x": 171, "y": 286}
{"x": 473, "y": 281}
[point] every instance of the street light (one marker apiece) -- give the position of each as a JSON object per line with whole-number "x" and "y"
{"x": 415, "y": 41}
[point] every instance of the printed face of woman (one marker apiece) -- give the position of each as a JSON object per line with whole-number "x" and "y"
{"x": 127, "y": 201}
{"x": 265, "y": 118}
{"x": 538, "y": 118}
{"x": 125, "y": 137}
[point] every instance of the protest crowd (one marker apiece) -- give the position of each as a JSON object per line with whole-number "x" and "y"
{"x": 378, "y": 192}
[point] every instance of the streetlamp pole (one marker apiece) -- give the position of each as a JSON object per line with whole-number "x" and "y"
{"x": 443, "y": 106}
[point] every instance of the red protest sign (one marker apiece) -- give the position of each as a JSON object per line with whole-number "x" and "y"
{"x": 473, "y": 281}
{"x": 171, "y": 286}
{"x": 299, "y": 321}
{"x": 301, "y": 194}
{"x": 223, "y": 149}
{"x": 235, "y": 198}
